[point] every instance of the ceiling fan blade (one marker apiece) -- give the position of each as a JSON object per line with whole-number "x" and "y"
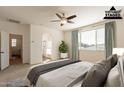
{"x": 61, "y": 24}
{"x": 71, "y": 17}
{"x": 58, "y": 16}
{"x": 55, "y": 20}
{"x": 70, "y": 22}
{"x": 63, "y": 14}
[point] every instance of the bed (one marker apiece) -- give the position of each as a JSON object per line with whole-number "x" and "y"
{"x": 64, "y": 76}
{"x": 69, "y": 73}
{"x": 58, "y": 73}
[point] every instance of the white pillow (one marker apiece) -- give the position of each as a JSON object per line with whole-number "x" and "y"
{"x": 121, "y": 69}
{"x": 113, "y": 79}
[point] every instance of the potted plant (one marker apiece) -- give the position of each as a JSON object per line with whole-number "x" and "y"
{"x": 63, "y": 49}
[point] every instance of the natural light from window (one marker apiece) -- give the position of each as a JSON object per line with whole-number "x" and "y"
{"x": 14, "y": 41}
{"x": 92, "y": 39}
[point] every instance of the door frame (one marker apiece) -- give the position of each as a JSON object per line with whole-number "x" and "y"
{"x": 21, "y": 46}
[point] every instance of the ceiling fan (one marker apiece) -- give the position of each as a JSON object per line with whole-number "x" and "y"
{"x": 63, "y": 20}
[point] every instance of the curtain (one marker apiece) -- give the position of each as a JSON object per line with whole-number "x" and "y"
{"x": 75, "y": 52}
{"x": 109, "y": 38}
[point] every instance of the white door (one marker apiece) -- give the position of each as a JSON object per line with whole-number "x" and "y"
{"x": 4, "y": 50}
{"x": 36, "y": 46}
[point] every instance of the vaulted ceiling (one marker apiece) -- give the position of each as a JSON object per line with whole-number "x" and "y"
{"x": 44, "y": 14}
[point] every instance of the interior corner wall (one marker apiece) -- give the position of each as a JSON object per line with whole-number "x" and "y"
{"x": 36, "y": 42}
{"x": 120, "y": 34}
{"x": 19, "y": 29}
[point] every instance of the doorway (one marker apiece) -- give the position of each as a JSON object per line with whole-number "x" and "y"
{"x": 16, "y": 49}
{"x": 46, "y": 47}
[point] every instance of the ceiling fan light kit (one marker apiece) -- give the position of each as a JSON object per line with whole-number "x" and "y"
{"x": 63, "y": 20}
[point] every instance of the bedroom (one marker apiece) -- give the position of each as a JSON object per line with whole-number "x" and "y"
{"x": 34, "y": 22}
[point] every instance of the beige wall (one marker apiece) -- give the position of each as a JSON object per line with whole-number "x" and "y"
{"x": 120, "y": 34}
{"x": 91, "y": 56}
{"x": 95, "y": 56}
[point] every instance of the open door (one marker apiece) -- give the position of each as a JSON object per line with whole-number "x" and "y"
{"x": 4, "y": 52}
{"x": 15, "y": 49}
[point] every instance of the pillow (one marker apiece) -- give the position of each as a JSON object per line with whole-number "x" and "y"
{"x": 97, "y": 75}
{"x": 113, "y": 79}
{"x": 114, "y": 60}
{"x": 121, "y": 70}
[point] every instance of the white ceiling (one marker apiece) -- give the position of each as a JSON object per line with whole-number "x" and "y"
{"x": 44, "y": 14}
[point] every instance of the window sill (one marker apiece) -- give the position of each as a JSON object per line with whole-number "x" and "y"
{"x": 81, "y": 49}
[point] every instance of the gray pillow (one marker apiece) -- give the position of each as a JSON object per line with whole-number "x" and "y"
{"x": 114, "y": 60}
{"x": 97, "y": 75}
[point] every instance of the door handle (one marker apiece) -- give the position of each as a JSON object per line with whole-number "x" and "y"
{"x": 1, "y": 52}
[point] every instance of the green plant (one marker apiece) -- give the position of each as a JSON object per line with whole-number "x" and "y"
{"x": 63, "y": 48}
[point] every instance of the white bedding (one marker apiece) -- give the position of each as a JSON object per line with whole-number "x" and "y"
{"x": 78, "y": 84}
{"x": 63, "y": 76}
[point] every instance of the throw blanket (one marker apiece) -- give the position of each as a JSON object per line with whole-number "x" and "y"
{"x": 37, "y": 71}
{"x": 64, "y": 76}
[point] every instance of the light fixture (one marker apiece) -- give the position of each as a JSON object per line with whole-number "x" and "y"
{"x": 63, "y": 21}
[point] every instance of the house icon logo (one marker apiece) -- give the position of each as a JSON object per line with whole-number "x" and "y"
{"x": 113, "y": 14}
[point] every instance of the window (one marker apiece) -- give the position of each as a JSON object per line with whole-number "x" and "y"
{"x": 49, "y": 48}
{"x": 14, "y": 42}
{"x": 92, "y": 39}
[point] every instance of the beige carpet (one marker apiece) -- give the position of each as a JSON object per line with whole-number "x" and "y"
{"x": 14, "y": 72}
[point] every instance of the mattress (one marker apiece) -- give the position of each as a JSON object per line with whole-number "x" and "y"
{"x": 63, "y": 76}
